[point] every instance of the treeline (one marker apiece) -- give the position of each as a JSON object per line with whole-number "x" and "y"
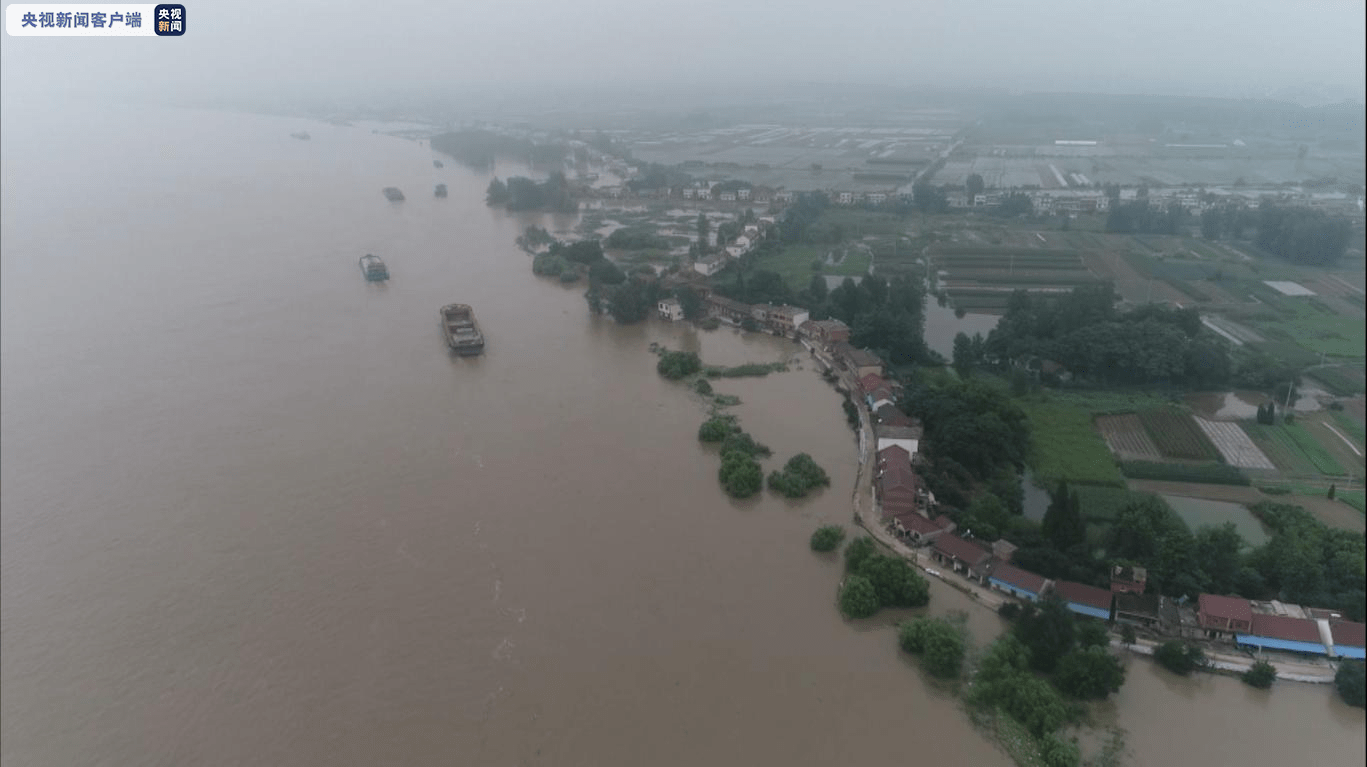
{"x": 521, "y": 193}
{"x": 480, "y": 148}
{"x": 1083, "y": 331}
{"x": 874, "y": 581}
{"x": 1300, "y": 235}
{"x": 1141, "y": 217}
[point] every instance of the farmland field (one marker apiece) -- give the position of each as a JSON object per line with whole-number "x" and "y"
{"x": 1293, "y": 449}
{"x": 1068, "y": 447}
{"x": 1234, "y": 444}
{"x": 1125, "y": 436}
{"x": 1350, "y": 426}
{"x": 1177, "y": 436}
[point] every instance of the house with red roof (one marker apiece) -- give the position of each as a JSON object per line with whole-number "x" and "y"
{"x": 1128, "y": 580}
{"x": 1085, "y": 600}
{"x": 1350, "y": 639}
{"x": 1283, "y": 632}
{"x": 912, "y": 526}
{"x": 960, "y": 555}
{"x": 1015, "y": 581}
{"x": 1219, "y": 615}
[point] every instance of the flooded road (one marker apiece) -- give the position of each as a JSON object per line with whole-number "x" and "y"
{"x": 254, "y": 513}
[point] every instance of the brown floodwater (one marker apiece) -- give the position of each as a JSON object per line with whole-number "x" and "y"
{"x": 253, "y": 512}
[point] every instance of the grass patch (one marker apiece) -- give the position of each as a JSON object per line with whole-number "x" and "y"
{"x": 1322, "y": 460}
{"x": 1203, "y": 473}
{"x": 1176, "y": 435}
{"x": 1354, "y": 499}
{"x": 1068, "y": 447}
{"x": 1340, "y": 381}
{"x": 750, "y": 369}
{"x": 1104, "y": 504}
{"x": 1348, "y": 425}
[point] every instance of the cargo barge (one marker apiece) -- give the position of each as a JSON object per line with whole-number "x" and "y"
{"x": 374, "y": 269}
{"x": 461, "y": 328}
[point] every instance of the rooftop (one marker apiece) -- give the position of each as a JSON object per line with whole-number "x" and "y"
{"x": 1233, "y": 608}
{"x": 1349, "y": 634}
{"x": 1017, "y": 577}
{"x": 1081, "y": 593}
{"x": 1285, "y": 628}
{"x": 916, "y": 523}
{"x": 965, "y": 551}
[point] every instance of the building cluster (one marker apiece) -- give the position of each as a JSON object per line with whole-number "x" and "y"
{"x": 780, "y": 320}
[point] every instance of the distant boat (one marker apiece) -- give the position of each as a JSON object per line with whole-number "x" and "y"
{"x": 301, "y": 135}
{"x": 461, "y": 328}
{"x": 393, "y": 194}
{"x": 373, "y": 268}
{"x": 441, "y": 190}
{"x": 437, "y": 164}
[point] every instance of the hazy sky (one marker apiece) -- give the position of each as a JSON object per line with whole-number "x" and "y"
{"x": 1227, "y": 47}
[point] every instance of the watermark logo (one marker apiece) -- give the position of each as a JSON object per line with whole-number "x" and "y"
{"x": 91, "y": 20}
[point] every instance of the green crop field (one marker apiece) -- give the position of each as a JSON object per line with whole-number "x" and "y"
{"x": 1341, "y": 381}
{"x": 1350, "y": 426}
{"x": 1354, "y": 499}
{"x": 1067, "y": 446}
{"x": 1323, "y": 461}
{"x": 1177, "y": 436}
{"x": 794, "y": 263}
{"x": 1293, "y": 449}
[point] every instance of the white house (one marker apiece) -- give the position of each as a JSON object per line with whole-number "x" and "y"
{"x": 743, "y": 194}
{"x": 743, "y": 243}
{"x": 709, "y": 266}
{"x": 670, "y": 309}
{"x": 728, "y": 196}
{"x": 689, "y": 192}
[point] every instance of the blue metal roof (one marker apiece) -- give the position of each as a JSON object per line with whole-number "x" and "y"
{"x": 1095, "y": 612}
{"x": 1350, "y": 652}
{"x": 1016, "y": 590}
{"x": 1280, "y": 644}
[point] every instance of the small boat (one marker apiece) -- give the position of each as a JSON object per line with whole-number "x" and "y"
{"x": 393, "y": 194}
{"x": 461, "y": 328}
{"x": 441, "y": 190}
{"x": 437, "y": 164}
{"x": 301, "y": 135}
{"x": 374, "y": 268}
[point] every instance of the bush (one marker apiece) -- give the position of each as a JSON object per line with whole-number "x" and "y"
{"x": 1262, "y": 675}
{"x": 859, "y": 550}
{"x": 827, "y": 538}
{"x": 896, "y": 582}
{"x": 1180, "y": 658}
{"x": 716, "y": 429}
{"x": 676, "y": 365}
{"x": 702, "y": 387}
{"x": 740, "y": 442}
{"x": 1009, "y": 610}
{"x": 940, "y": 644}
{"x": 1127, "y": 634}
{"x": 606, "y": 272}
{"x": 799, "y": 475}
{"x": 1352, "y": 683}
{"x": 740, "y": 475}
{"x": 1089, "y": 673}
{"x": 857, "y": 598}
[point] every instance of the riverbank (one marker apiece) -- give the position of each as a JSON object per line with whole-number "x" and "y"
{"x": 866, "y": 517}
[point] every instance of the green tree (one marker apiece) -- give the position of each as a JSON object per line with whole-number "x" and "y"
{"x": 1047, "y": 630}
{"x": 1127, "y": 634}
{"x": 857, "y": 551}
{"x": 716, "y": 429}
{"x": 1063, "y": 523}
{"x": 1179, "y": 657}
{"x": 497, "y": 193}
{"x": 799, "y": 476}
{"x": 740, "y": 475}
{"x": 975, "y": 186}
{"x": 606, "y": 272}
{"x": 1261, "y": 675}
{"x": 963, "y": 353}
{"x": 1055, "y": 752}
{"x": 827, "y": 538}
{"x": 691, "y": 303}
{"x": 676, "y": 365}
{"x": 857, "y": 598}
{"x": 628, "y": 302}
{"x": 1352, "y": 683}
{"x": 940, "y": 644}
{"x": 1092, "y": 633}
{"x": 896, "y": 582}
{"x": 1091, "y": 673}
{"x": 1218, "y": 549}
